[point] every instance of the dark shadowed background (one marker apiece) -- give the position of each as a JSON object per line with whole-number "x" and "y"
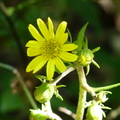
{"x": 103, "y": 30}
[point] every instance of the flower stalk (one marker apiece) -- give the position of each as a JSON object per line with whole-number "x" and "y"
{"x": 82, "y": 94}
{"x": 83, "y": 89}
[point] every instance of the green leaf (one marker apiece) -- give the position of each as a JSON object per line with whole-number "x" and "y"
{"x": 80, "y": 37}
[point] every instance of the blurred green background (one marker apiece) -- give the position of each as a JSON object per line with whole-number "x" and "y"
{"x": 103, "y": 30}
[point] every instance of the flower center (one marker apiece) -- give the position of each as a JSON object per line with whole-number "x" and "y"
{"x": 50, "y": 48}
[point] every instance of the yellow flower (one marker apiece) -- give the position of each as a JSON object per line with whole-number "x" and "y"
{"x": 49, "y": 48}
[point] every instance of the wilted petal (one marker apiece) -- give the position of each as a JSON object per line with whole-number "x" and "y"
{"x": 35, "y": 33}
{"x": 50, "y": 69}
{"x": 69, "y": 47}
{"x": 59, "y": 64}
{"x": 68, "y": 56}
{"x": 43, "y": 28}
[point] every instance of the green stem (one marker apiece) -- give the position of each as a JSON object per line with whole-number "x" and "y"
{"x": 106, "y": 87}
{"x": 70, "y": 69}
{"x": 81, "y": 102}
{"x": 83, "y": 89}
{"x": 16, "y": 72}
{"x": 82, "y": 94}
{"x": 46, "y": 107}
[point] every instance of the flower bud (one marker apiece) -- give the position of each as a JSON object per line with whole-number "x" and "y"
{"x": 85, "y": 57}
{"x": 94, "y": 112}
{"x": 37, "y": 115}
{"x": 101, "y": 96}
{"x": 44, "y": 92}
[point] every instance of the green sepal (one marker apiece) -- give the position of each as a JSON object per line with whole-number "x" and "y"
{"x": 57, "y": 92}
{"x": 87, "y": 69}
{"x": 41, "y": 78}
{"x": 95, "y": 64}
{"x": 95, "y": 49}
{"x": 58, "y": 95}
{"x": 59, "y": 86}
{"x": 85, "y": 43}
{"x": 80, "y": 37}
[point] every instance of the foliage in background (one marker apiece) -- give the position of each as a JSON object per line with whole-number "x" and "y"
{"x": 102, "y": 31}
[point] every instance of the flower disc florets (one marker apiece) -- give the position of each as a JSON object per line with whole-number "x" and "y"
{"x": 49, "y": 48}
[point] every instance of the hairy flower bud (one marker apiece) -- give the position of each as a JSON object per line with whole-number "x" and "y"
{"x": 37, "y": 115}
{"x": 94, "y": 112}
{"x": 85, "y": 57}
{"x": 44, "y": 92}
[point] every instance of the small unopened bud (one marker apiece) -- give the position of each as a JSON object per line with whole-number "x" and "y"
{"x": 44, "y": 92}
{"x": 94, "y": 112}
{"x": 101, "y": 96}
{"x": 37, "y": 115}
{"x": 85, "y": 57}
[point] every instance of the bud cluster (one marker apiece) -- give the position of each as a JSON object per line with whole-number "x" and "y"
{"x": 94, "y": 111}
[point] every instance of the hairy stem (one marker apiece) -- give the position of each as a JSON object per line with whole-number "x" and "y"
{"x": 83, "y": 89}
{"x": 82, "y": 94}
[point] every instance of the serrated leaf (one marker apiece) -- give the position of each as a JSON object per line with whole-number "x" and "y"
{"x": 80, "y": 37}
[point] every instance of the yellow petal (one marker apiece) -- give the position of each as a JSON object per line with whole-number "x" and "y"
{"x": 42, "y": 62}
{"x": 33, "y": 63}
{"x": 33, "y": 43}
{"x": 69, "y": 47}
{"x": 63, "y": 38}
{"x": 68, "y": 56}
{"x": 43, "y": 28}
{"x": 59, "y": 64}
{"x": 33, "y": 51}
{"x": 35, "y": 33}
{"x": 60, "y": 30}
{"x": 51, "y": 28}
{"x": 50, "y": 69}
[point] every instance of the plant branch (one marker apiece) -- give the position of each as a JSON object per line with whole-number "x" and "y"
{"x": 55, "y": 81}
{"x": 83, "y": 89}
{"x": 106, "y": 87}
{"x": 17, "y": 73}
